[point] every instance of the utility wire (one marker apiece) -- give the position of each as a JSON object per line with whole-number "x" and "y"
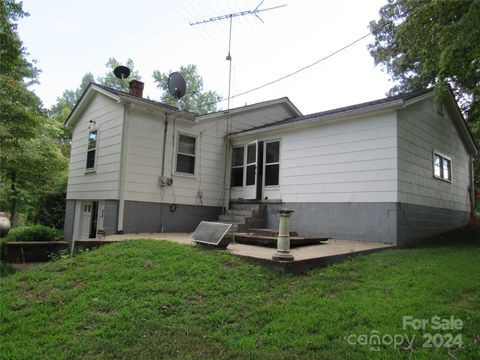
{"x": 301, "y": 69}
{"x": 314, "y": 63}
{"x": 295, "y": 72}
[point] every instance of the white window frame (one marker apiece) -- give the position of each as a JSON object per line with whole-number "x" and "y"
{"x": 243, "y": 147}
{"x": 94, "y": 168}
{"x": 442, "y": 157}
{"x": 177, "y": 138}
{"x": 265, "y": 142}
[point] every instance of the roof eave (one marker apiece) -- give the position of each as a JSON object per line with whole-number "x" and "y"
{"x": 465, "y": 131}
{"x": 394, "y": 105}
{"x": 88, "y": 94}
{"x": 84, "y": 99}
{"x": 185, "y": 114}
{"x": 285, "y": 101}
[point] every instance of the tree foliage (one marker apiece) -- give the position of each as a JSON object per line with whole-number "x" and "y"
{"x": 65, "y": 103}
{"x": 13, "y": 55}
{"x": 196, "y": 99}
{"x": 31, "y": 161}
{"x": 422, "y": 43}
{"x": 428, "y": 42}
{"x": 110, "y": 80}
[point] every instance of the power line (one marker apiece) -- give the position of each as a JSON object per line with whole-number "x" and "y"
{"x": 312, "y": 64}
{"x": 303, "y": 68}
{"x": 295, "y": 72}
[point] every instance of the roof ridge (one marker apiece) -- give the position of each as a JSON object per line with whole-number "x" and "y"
{"x": 142, "y": 99}
{"x": 385, "y": 100}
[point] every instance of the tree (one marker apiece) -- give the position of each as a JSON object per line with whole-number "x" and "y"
{"x": 65, "y": 103}
{"x": 110, "y": 80}
{"x": 31, "y": 163}
{"x": 422, "y": 43}
{"x": 64, "y": 106}
{"x": 196, "y": 99}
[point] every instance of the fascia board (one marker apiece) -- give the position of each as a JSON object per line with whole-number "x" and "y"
{"x": 344, "y": 115}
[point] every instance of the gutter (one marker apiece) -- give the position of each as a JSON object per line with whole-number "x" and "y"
{"x": 394, "y": 105}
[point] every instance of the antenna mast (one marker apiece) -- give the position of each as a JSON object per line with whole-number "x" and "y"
{"x": 230, "y": 17}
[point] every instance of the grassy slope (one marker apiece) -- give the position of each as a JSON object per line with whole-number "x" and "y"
{"x": 151, "y": 299}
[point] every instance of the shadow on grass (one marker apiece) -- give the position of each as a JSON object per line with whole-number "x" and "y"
{"x": 467, "y": 236}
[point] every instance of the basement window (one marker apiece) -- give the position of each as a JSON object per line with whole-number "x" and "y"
{"x": 442, "y": 166}
{"x": 186, "y": 154}
{"x": 237, "y": 166}
{"x": 91, "y": 150}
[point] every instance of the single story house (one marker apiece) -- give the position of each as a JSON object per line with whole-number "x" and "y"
{"x": 391, "y": 170}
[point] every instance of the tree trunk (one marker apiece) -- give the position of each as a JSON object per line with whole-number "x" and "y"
{"x": 13, "y": 204}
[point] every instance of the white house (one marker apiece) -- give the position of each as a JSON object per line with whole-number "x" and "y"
{"x": 392, "y": 170}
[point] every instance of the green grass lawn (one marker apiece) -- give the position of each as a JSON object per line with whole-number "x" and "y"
{"x": 155, "y": 299}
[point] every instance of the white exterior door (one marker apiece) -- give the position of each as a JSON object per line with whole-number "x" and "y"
{"x": 86, "y": 219}
{"x": 251, "y": 160}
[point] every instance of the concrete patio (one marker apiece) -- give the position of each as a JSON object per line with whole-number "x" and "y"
{"x": 305, "y": 257}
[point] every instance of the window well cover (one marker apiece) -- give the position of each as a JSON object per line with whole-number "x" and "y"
{"x": 208, "y": 232}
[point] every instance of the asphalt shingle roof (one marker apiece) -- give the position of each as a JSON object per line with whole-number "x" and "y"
{"x": 404, "y": 97}
{"x": 141, "y": 99}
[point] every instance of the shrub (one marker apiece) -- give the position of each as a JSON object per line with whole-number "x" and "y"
{"x": 33, "y": 233}
{"x": 5, "y": 268}
{"x": 51, "y": 211}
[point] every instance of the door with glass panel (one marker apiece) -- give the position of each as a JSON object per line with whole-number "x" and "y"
{"x": 251, "y": 170}
{"x": 271, "y": 170}
{"x": 243, "y": 177}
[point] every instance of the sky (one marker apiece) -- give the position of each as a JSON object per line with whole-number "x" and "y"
{"x": 69, "y": 38}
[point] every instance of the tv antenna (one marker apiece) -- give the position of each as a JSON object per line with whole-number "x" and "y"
{"x": 230, "y": 17}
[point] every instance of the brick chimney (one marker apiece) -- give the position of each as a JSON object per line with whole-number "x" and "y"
{"x": 136, "y": 88}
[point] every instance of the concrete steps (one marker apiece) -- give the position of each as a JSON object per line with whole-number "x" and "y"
{"x": 269, "y": 232}
{"x": 244, "y": 216}
{"x": 268, "y": 238}
{"x": 241, "y": 212}
{"x": 249, "y": 226}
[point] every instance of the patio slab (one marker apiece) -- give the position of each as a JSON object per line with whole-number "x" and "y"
{"x": 305, "y": 258}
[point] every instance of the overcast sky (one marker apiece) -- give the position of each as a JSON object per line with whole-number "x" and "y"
{"x": 69, "y": 38}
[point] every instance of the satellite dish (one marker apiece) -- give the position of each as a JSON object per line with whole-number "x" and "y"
{"x": 121, "y": 72}
{"x": 177, "y": 85}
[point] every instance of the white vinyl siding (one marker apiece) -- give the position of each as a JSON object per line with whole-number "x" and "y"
{"x": 345, "y": 161}
{"x": 421, "y": 132}
{"x": 259, "y": 117}
{"x": 107, "y": 117}
{"x": 144, "y": 161}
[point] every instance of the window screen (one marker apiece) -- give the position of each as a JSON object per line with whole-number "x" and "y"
{"x": 186, "y": 154}
{"x": 442, "y": 167}
{"x": 237, "y": 166}
{"x": 272, "y": 163}
{"x": 92, "y": 149}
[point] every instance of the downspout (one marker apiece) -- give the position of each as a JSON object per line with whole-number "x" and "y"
{"x": 164, "y": 145}
{"x": 123, "y": 171}
{"x": 227, "y": 164}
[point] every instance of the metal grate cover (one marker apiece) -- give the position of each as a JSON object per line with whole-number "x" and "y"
{"x": 211, "y": 233}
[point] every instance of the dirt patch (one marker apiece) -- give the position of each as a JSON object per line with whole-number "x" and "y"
{"x": 43, "y": 293}
{"x": 465, "y": 300}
